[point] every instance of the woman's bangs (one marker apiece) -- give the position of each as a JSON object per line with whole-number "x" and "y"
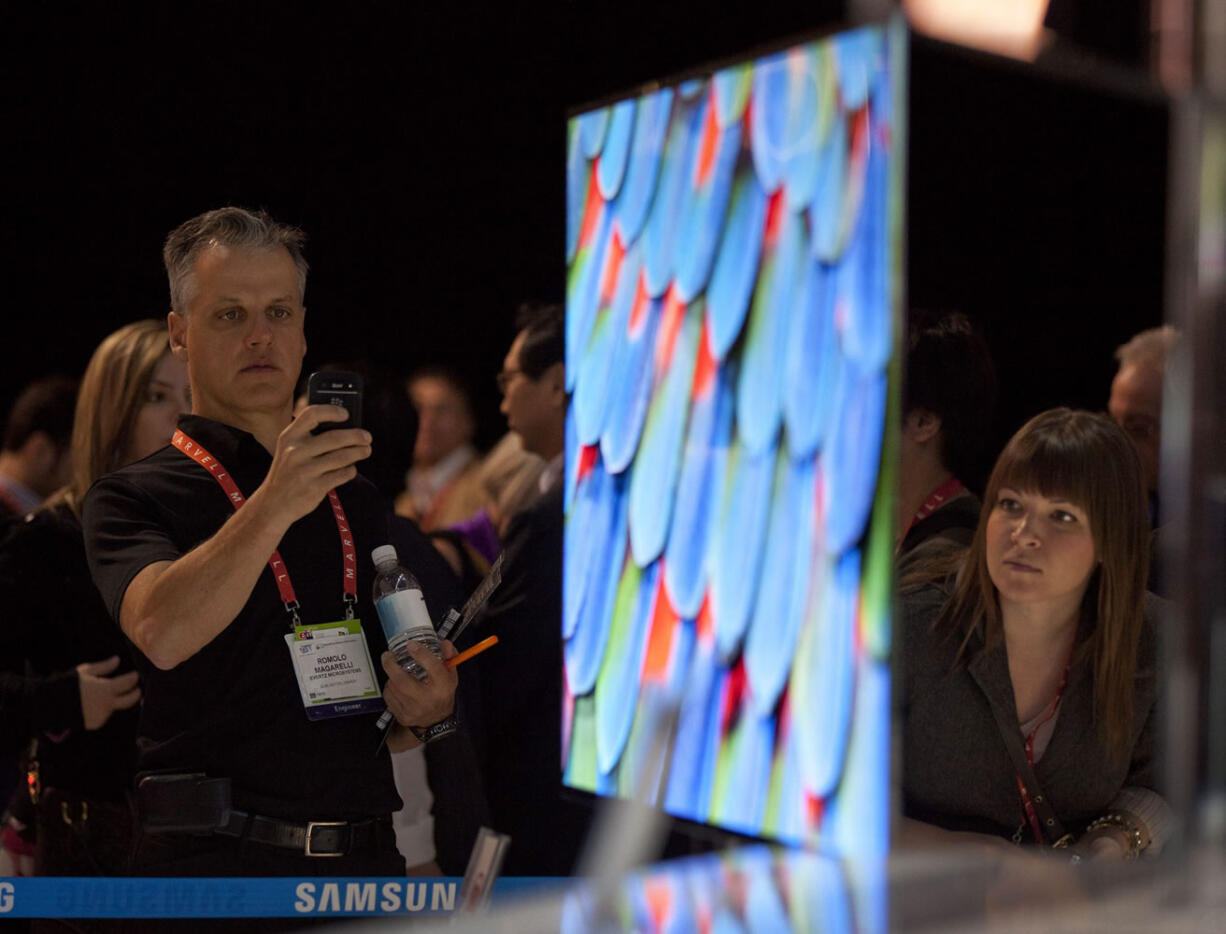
{"x": 1051, "y": 467}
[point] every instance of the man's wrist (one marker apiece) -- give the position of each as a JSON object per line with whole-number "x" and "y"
{"x": 400, "y": 738}
{"x": 261, "y": 511}
{"x": 444, "y": 727}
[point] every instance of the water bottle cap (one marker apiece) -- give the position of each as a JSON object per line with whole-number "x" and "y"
{"x": 384, "y": 554}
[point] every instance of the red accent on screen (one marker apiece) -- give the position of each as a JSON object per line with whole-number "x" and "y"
{"x": 612, "y": 267}
{"x": 638, "y": 312}
{"x": 706, "y": 367}
{"x": 705, "y": 919}
{"x": 706, "y": 625}
{"x": 774, "y": 219}
{"x": 659, "y": 895}
{"x": 783, "y": 729}
{"x": 817, "y": 809}
{"x": 735, "y": 888}
{"x": 591, "y": 211}
{"x": 732, "y": 696}
{"x": 858, "y": 148}
{"x": 587, "y": 460}
{"x": 674, "y": 312}
{"x": 706, "y": 146}
{"x": 664, "y": 623}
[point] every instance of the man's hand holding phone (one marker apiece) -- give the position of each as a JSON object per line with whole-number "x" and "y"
{"x": 305, "y": 465}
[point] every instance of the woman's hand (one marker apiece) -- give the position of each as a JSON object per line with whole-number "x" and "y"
{"x": 101, "y": 695}
{"x": 1112, "y": 838}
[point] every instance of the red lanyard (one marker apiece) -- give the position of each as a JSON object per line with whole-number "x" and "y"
{"x": 1027, "y": 804}
{"x": 946, "y": 491}
{"x": 280, "y": 572}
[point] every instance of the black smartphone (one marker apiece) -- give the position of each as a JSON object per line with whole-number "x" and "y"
{"x": 336, "y": 387}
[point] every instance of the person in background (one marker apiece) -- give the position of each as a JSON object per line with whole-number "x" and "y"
{"x": 79, "y": 697}
{"x": 34, "y": 460}
{"x": 948, "y": 404}
{"x": 509, "y": 478}
{"x": 1136, "y": 399}
{"x": 521, "y": 679}
{"x": 442, "y": 484}
{"x": 1029, "y": 661}
{"x": 533, "y": 386}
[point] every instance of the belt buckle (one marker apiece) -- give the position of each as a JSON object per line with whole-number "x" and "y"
{"x": 310, "y": 831}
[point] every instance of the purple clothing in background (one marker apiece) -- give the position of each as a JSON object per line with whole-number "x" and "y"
{"x": 479, "y": 532}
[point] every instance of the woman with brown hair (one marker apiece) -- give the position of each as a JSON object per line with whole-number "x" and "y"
{"x": 79, "y": 699}
{"x": 1029, "y": 660}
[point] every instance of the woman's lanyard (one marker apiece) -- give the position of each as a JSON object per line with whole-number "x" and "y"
{"x": 1027, "y": 804}
{"x": 280, "y": 572}
{"x": 936, "y": 499}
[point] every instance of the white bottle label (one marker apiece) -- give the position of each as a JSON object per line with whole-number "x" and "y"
{"x": 403, "y": 615}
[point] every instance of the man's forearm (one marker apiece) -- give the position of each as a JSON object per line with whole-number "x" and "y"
{"x": 173, "y": 610}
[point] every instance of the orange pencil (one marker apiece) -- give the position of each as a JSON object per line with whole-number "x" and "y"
{"x": 470, "y": 652}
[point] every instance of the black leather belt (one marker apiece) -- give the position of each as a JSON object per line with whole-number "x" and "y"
{"x": 313, "y": 838}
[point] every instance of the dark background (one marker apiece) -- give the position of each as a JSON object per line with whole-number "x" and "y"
{"x": 421, "y": 146}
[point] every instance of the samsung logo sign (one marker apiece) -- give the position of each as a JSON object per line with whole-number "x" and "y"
{"x": 6, "y": 897}
{"x": 347, "y": 897}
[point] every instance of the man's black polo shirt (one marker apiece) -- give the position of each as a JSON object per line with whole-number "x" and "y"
{"x": 234, "y": 709}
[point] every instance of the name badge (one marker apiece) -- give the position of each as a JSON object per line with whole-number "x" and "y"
{"x": 335, "y": 674}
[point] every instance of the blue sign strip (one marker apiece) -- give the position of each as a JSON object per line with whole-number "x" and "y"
{"x": 243, "y": 897}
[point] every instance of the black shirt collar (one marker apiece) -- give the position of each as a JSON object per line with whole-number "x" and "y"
{"x": 232, "y": 446}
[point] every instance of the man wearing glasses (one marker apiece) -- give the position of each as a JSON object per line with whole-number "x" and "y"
{"x": 533, "y": 386}
{"x": 521, "y": 682}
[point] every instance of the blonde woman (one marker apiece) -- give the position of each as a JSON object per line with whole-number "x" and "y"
{"x": 79, "y": 705}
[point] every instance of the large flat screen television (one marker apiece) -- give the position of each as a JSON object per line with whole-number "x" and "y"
{"x": 732, "y": 316}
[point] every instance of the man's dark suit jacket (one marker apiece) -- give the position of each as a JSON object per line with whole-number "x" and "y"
{"x": 521, "y": 695}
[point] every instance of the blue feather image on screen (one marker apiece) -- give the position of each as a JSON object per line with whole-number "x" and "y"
{"x": 732, "y": 251}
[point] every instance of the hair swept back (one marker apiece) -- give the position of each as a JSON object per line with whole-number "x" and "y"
{"x": 1088, "y": 460}
{"x": 232, "y": 227}
{"x": 1150, "y": 348}
{"x": 543, "y": 325}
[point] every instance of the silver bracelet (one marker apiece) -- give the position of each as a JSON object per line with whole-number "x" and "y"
{"x": 427, "y": 734}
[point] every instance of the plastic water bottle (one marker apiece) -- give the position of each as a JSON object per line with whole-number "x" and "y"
{"x": 402, "y": 610}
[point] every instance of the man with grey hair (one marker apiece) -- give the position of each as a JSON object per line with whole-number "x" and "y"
{"x": 261, "y": 764}
{"x": 1136, "y": 395}
{"x": 234, "y": 228}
